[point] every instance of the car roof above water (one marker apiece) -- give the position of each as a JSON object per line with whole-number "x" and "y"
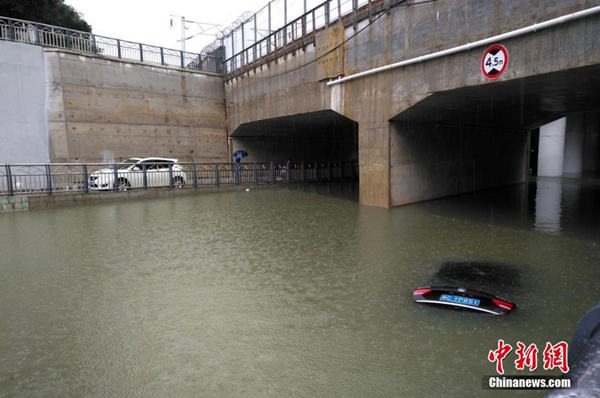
{"x": 155, "y": 159}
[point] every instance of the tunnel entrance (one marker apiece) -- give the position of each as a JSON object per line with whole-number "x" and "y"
{"x": 479, "y": 137}
{"x": 324, "y": 136}
{"x": 324, "y": 144}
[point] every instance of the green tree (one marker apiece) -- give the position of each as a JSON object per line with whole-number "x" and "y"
{"x": 52, "y": 12}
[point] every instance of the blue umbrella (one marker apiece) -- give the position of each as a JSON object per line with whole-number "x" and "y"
{"x": 240, "y": 154}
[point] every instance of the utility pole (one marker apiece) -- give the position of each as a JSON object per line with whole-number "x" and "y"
{"x": 183, "y": 33}
{"x": 205, "y": 29}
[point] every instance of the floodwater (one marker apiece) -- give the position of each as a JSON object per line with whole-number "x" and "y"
{"x": 285, "y": 292}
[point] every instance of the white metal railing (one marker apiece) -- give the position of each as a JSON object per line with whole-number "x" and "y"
{"x": 54, "y": 36}
{"x": 265, "y": 32}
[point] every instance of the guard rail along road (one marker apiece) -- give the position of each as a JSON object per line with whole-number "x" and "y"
{"x": 85, "y": 42}
{"x": 48, "y": 179}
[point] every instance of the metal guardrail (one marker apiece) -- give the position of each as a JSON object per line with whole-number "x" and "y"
{"x": 310, "y": 21}
{"x": 31, "y": 179}
{"x": 74, "y": 40}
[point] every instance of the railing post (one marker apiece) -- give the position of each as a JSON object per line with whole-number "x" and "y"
{"x": 144, "y": 176}
{"x": 141, "y": 53}
{"x": 115, "y": 178}
{"x": 304, "y": 25}
{"x": 329, "y": 171}
{"x": 94, "y": 49}
{"x": 38, "y": 40}
{"x": 162, "y": 56}
{"x": 170, "y": 175}
{"x": 48, "y": 180}
{"x": 285, "y": 21}
{"x": 181, "y": 57}
{"x": 195, "y": 175}
{"x": 269, "y": 34}
{"x": 236, "y": 173}
{"x": 255, "y": 174}
{"x": 86, "y": 182}
{"x": 9, "y": 185}
{"x": 217, "y": 182}
{"x": 272, "y": 172}
{"x": 302, "y": 171}
{"x": 243, "y": 45}
{"x": 288, "y": 174}
{"x": 119, "y": 48}
{"x": 317, "y": 176}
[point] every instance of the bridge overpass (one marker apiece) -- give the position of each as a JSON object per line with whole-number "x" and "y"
{"x": 436, "y": 127}
{"x": 396, "y": 85}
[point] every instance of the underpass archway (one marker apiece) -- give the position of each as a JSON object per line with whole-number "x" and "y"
{"x": 323, "y": 136}
{"x": 479, "y": 137}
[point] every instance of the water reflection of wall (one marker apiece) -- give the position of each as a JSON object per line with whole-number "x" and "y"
{"x": 548, "y": 197}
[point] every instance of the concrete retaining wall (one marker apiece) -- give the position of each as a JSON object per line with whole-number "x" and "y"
{"x": 59, "y": 106}
{"x": 9, "y": 204}
{"x": 102, "y": 110}
{"x": 23, "y": 127}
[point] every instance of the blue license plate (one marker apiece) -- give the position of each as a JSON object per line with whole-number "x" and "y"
{"x": 459, "y": 300}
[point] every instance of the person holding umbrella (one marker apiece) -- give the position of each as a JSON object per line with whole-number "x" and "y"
{"x": 238, "y": 156}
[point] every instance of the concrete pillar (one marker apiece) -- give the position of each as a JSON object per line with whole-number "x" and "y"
{"x": 552, "y": 148}
{"x": 591, "y": 143}
{"x": 575, "y": 129}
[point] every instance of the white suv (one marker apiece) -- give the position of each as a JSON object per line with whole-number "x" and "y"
{"x": 130, "y": 174}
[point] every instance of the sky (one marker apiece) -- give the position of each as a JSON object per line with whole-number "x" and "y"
{"x": 147, "y": 21}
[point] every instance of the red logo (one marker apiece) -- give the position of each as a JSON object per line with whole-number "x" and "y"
{"x": 499, "y": 354}
{"x": 555, "y": 356}
{"x": 527, "y": 357}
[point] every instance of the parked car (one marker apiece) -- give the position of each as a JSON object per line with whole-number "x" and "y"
{"x": 130, "y": 174}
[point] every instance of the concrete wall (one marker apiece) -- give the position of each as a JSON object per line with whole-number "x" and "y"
{"x": 591, "y": 143}
{"x": 23, "y": 127}
{"x": 271, "y": 91}
{"x": 574, "y": 136}
{"x": 433, "y": 161}
{"x": 102, "y": 109}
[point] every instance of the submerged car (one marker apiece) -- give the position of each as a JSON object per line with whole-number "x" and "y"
{"x": 139, "y": 173}
{"x": 461, "y": 297}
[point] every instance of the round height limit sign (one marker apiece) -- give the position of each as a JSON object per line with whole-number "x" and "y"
{"x": 494, "y": 61}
